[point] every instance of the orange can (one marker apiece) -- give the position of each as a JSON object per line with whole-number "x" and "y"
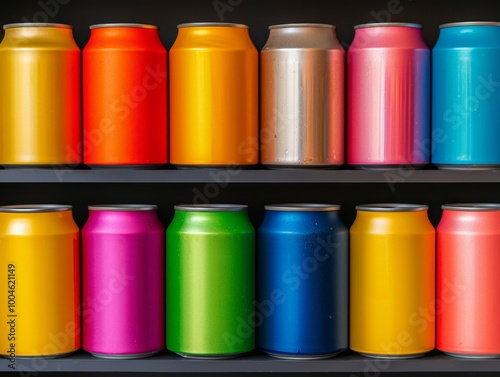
{"x": 213, "y": 96}
{"x": 125, "y": 97}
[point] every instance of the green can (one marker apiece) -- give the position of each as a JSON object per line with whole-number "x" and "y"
{"x": 210, "y": 281}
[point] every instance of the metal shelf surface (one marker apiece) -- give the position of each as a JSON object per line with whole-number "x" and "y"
{"x": 236, "y": 175}
{"x": 254, "y": 363}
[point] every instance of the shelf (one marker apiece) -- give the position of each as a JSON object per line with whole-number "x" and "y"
{"x": 235, "y": 175}
{"x": 169, "y": 363}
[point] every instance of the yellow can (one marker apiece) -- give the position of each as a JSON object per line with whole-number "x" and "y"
{"x": 392, "y": 281}
{"x": 40, "y": 268}
{"x": 213, "y": 96}
{"x": 40, "y": 96}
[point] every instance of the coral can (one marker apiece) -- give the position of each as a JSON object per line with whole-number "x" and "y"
{"x": 392, "y": 282}
{"x": 40, "y": 96}
{"x": 302, "y": 294}
{"x": 388, "y": 97}
{"x": 40, "y": 265}
{"x": 302, "y": 97}
{"x": 466, "y": 72}
{"x": 468, "y": 308}
{"x": 123, "y": 303}
{"x": 214, "y": 106}
{"x": 210, "y": 281}
{"x": 125, "y": 97}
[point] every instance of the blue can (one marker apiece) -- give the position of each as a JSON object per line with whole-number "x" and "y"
{"x": 302, "y": 282}
{"x": 466, "y": 96}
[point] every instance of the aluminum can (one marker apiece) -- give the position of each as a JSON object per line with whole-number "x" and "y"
{"x": 465, "y": 96}
{"x": 302, "y": 286}
{"x": 388, "y": 96}
{"x": 40, "y": 100}
{"x": 210, "y": 281}
{"x": 214, "y": 107}
{"x": 125, "y": 97}
{"x": 468, "y": 305}
{"x": 40, "y": 265}
{"x": 123, "y": 276}
{"x": 302, "y": 97}
{"x": 392, "y": 282}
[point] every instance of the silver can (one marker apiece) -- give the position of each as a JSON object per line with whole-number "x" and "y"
{"x": 302, "y": 97}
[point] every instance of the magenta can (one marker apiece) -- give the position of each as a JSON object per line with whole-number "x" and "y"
{"x": 123, "y": 279}
{"x": 388, "y": 97}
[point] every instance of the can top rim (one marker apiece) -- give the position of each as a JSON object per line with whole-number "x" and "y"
{"x": 123, "y": 207}
{"x": 211, "y": 24}
{"x": 302, "y": 207}
{"x": 469, "y": 23}
{"x": 392, "y": 207}
{"x": 35, "y": 208}
{"x": 211, "y": 207}
{"x": 387, "y": 24}
{"x": 123, "y": 25}
{"x": 478, "y": 207}
{"x": 36, "y": 24}
{"x": 302, "y": 25}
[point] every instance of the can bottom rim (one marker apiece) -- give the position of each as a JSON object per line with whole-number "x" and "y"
{"x": 386, "y": 166}
{"x": 55, "y": 356}
{"x": 393, "y": 357}
{"x": 210, "y": 357}
{"x": 472, "y": 356}
{"x": 467, "y": 166}
{"x": 302, "y": 357}
{"x": 124, "y": 356}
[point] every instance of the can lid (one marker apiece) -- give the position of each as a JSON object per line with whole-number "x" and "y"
{"x": 304, "y": 25}
{"x": 388, "y": 24}
{"x": 123, "y": 207}
{"x": 36, "y": 208}
{"x": 392, "y": 207}
{"x": 302, "y": 207}
{"x": 469, "y": 23}
{"x": 123, "y": 24}
{"x": 36, "y": 24}
{"x": 211, "y": 24}
{"x": 477, "y": 207}
{"x": 211, "y": 207}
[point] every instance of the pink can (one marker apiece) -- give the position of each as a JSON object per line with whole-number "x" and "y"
{"x": 468, "y": 256}
{"x": 123, "y": 276}
{"x": 388, "y": 97}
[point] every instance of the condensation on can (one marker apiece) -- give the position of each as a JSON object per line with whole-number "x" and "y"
{"x": 468, "y": 305}
{"x": 210, "y": 281}
{"x": 302, "y": 270}
{"x": 40, "y": 99}
{"x": 214, "y": 107}
{"x": 388, "y": 97}
{"x": 392, "y": 282}
{"x": 40, "y": 265}
{"x": 302, "y": 97}
{"x": 125, "y": 97}
{"x": 465, "y": 102}
{"x": 123, "y": 274}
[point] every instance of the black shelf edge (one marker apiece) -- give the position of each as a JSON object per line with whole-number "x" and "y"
{"x": 169, "y": 363}
{"x": 231, "y": 176}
